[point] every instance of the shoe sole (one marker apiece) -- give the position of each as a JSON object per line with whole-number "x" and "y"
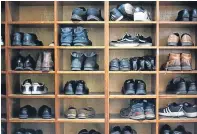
{"x": 65, "y": 44}
{"x": 187, "y": 44}
{"x": 114, "y": 69}
{"x": 175, "y": 68}
{"x": 191, "y": 115}
{"x": 186, "y": 68}
{"x": 141, "y": 92}
{"x": 76, "y": 68}
{"x": 92, "y": 18}
{"x": 26, "y": 93}
{"x": 140, "y": 117}
{"x": 69, "y": 93}
{"x": 28, "y": 69}
{"x": 46, "y": 116}
{"x": 120, "y": 18}
{"x": 145, "y": 44}
{"x": 192, "y": 92}
{"x": 19, "y": 69}
{"x": 47, "y": 69}
{"x": 172, "y": 43}
{"x": 181, "y": 93}
{"x": 38, "y": 93}
{"x": 185, "y": 19}
{"x": 16, "y": 44}
{"x": 194, "y": 19}
{"x": 125, "y": 69}
{"x": 124, "y": 44}
{"x": 80, "y": 44}
{"x": 88, "y": 69}
{"x": 172, "y": 114}
{"x": 23, "y": 116}
{"x": 150, "y": 116}
{"x": 71, "y": 116}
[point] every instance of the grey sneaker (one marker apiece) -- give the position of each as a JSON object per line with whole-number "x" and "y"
{"x": 90, "y": 62}
{"x": 47, "y": 63}
{"x": 149, "y": 110}
{"x": 137, "y": 110}
{"x": 39, "y": 63}
{"x": 114, "y": 65}
{"x": 66, "y": 36}
{"x": 125, "y": 64}
{"x": 115, "y": 15}
{"x": 77, "y": 59}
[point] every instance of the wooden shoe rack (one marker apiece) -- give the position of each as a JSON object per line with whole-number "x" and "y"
{"x": 46, "y": 18}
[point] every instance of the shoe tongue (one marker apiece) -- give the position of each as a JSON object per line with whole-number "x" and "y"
{"x": 177, "y": 34}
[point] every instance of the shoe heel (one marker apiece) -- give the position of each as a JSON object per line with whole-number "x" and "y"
{"x": 185, "y": 19}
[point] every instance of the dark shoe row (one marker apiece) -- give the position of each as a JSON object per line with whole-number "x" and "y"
{"x": 125, "y": 130}
{"x": 179, "y": 85}
{"x": 44, "y": 62}
{"x": 139, "y": 109}
{"x": 178, "y": 61}
{"x": 33, "y": 88}
{"x": 91, "y": 14}
{"x": 166, "y": 129}
{"x": 74, "y": 37}
{"x": 186, "y": 15}
{"x": 84, "y": 61}
{"x": 25, "y": 39}
{"x": 27, "y": 131}
{"x": 82, "y": 113}
{"x": 132, "y": 87}
{"x": 3, "y": 88}
{"x": 145, "y": 63}
{"x": 31, "y": 112}
{"x": 77, "y": 87}
{"x": 175, "y": 40}
{"x": 85, "y": 131}
{"x": 179, "y": 110}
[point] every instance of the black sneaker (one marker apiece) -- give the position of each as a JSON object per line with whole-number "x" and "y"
{"x": 81, "y": 88}
{"x": 192, "y": 87}
{"x": 149, "y": 62}
{"x": 69, "y": 88}
{"x": 179, "y": 130}
{"x": 149, "y": 110}
{"x": 141, "y": 64}
{"x": 116, "y": 130}
{"x": 29, "y": 64}
{"x": 144, "y": 42}
{"x": 18, "y": 62}
{"x": 128, "y": 130}
{"x": 129, "y": 87}
{"x": 190, "y": 110}
{"x": 165, "y": 129}
{"x": 27, "y": 112}
{"x": 45, "y": 112}
{"x": 177, "y": 86}
{"x": 172, "y": 110}
{"x": 183, "y": 15}
{"x": 193, "y": 15}
{"x": 140, "y": 87}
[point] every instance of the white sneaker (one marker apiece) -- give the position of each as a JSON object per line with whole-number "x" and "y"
{"x": 38, "y": 88}
{"x": 51, "y": 44}
{"x": 26, "y": 87}
{"x": 141, "y": 15}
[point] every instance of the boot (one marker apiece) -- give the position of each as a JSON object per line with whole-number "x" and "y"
{"x": 39, "y": 63}
{"x": 66, "y": 36}
{"x": 81, "y": 37}
{"x": 90, "y": 62}
{"x": 174, "y": 63}
{"x": 77, "y": 60}
{"x": 17, "y": 39}
{"x": 29, "y": 39}
{"x": 186, "y": 61}
{"x": 29, "y": 63}
{"x": 18, "y": 63}
{"x": 47, "y": 63}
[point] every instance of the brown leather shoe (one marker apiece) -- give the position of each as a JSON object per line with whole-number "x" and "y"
{"x": 186, "y": 61}
{"x": 186, "y": 40}
{"x": 173, "y": 39}
{"x": 173, "y": 63}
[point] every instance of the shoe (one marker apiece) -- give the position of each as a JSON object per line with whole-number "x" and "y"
{"x": 172, "y": 110}
{"x": 140, "y": 87}
{"x": 81, "y": 37}
{"x": 174, "y": 62}
{"x": 186, "y": 40}
{"x": 141, "y": 15}
{"x": 149, "y": 62}
{"x": 17, "y": 39}
{"x": 165, "y": 129}
{"x": 30, "y": 131}
{"x": 20, "y": 131}
{"x": 29, "y": 64}
{"x": 39, "y": 131}
{"x": 141, "y": 64}
{"x": 179, "y": 130}
{"x": 173, "y": 39}
{"x": 92, "y": 131}
{"x": 2, "y": 43}
{"x": 128, "y": 87}
{"x": 116, "y": 130}
{"x": 39, "y": 62}
{"x": 149, "y": 110}
{"x": 128, "y": 130}
{"x": 85, "y": 113}
{"x": 134, "y": 63}
{"x": 83, "y": 131}
{"x": 18, "y": 63}
{"x": 125, "y": 64}
{"x": 47, "y": 62}
{"x": 193, "y": 15}
{"x": 69, "y": 88}
{"x": 77, "y": 61}
{"x": 79, "y": 14}
{"x": 137, "y": 110}
{"x": 190, "y": 110}
{"x": 52, "y": 44}
{"x": 177, "y": 86}
{"x": 81, "y": 88}
{"x": 144, "y": 42}
{"x": 186, "y": 62}
{"x": 90, "y": 63}
{"x": 71, "y": 113}
{"x": 39, "y": 88}
{"x": 94, "y": 14}
{"x": 66, "y": 36}
{"x": 192, "y": 87}
{"x": 114, "y": 65}
{"x": 183, "y": 15}
{"x": 115, "y": 15}
{"x": 29, "y": 39}
{"x": 45, "y": 112}
{"x": 27, "y": 112}
{"x": 127, "y": 10}
{"x": 26, "y": 87}
{"x": 126, "y": 41}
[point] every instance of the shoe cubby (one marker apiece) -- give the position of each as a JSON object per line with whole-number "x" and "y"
{"x": 65, "y": 8}
{"x": 40, "y": 11}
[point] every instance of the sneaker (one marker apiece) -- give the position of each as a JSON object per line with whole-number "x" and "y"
{"x": 192, "y": 87}
{"x": 77, "y": 59}
{"x": 17, "y": 39}
{"x": 45, "y": 112}
{"x": 179, "y": 130}
{"x": 149, "y": 110}
{"x": 116, "y": 130}
{"x": 186, "y": 40}
{"x": 173, "y": 39}
{"x": 124, "y": 64}
{"x": 126, "y": 41}
{"x": 51, "y": 44}
{"x": 39, "y": 88}
{"x": 190, "y": 110}
{"x": 83, "y": 131}
{"x": 71, "y": 113}
{"x": 127, "y": 10}
{"x": 144, "y": 42}
{"x": 29, "y": 64}
{"x": 18, "y": 62}
{"x": 27, "y": 112}
{"x": 94, "y": 14}
{"x": 69, "y": 87}
{"x": 134, "y": 63}
{"x": 115, "y": 15}
{"x": 114, "y": 65}
{"x": 26, "y": 87}
{"x": 129, "y": 87}
{"x": 128, "y": 130}
{"x": 193, "y": 15}
{"x": 140, "y": 87}
{"x": 66, "y": 36}
{"x": 137, "y": 110}
{"x": 90, "y": 63}
{"x": 79, "y": 14}
{"x": 81, "y": 88}
{"x": 141, "y": 14}
{"x": 183, "y": 15}
{"x": 165, "y": 129}
{"x": 172, "y": 110}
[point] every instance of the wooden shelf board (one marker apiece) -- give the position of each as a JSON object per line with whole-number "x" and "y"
{"x": 120, "y": 96}
{"x": 30, "y": 22}
{"x": 32, "y": 120}
{"x": 81, "y": 47}
{"x": 93, "y": 120}
{"x": 132, "y": 22}
{"x": 177, "y": 47}
{"x": 176, "y": 96}
{"x": 31, "y": 72}
{"x": 132, "y": 72}
{"x": 31, "y": 96}
{"x": 31, "y": 47}
{"x": 118, "y": 48}
{"x": 175, "y": 120}
{"x": 80, "y": 22}
{"x": 178, "y": 72}
{"x": 91, "y": 95}
{"x": 178, "y": 22}
{"x": 80, "y": 72}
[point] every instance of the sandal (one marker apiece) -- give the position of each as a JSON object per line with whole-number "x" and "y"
{"x": 84, "y": 113}
{"x": 71, "y": 113}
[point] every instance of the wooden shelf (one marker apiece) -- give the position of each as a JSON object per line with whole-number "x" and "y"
{"x": 81, "y": 47}
{"x": 118, "y": 48}
{"x": 30, "y": 22}
{"x": 31, "y": 47}
{"x": 93, "y": 120}
{"x": 80, "y": 22}
{"x": 120, "y": 96}
{"x": 176, "y": 96}
{"x": 178, "y": 72}
{"x": 175, "y": 120}
{"x": 31, "y": 96}
{"x": 120, "y": 120}
{"x": 132, "y": 72}
{"x": 178, "y": 47}
{"x": 90, "y": 96}
{"x": 29, "y": 120}
{"x": 178, "y": 22}
{"x": 80, "y": 72}
{"x": 31, "y": 72}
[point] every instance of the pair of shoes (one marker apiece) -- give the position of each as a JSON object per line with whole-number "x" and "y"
{"x": 91, "y": 14}
{"x": 30, "y": 112}
{"x": 130, "y": 41}
{"x": 85, "y": 131}
{"x": 166, "y": 129}
{"x": 139, "y": 110}
{"x": 27, "y": 131}
{"x": 175, "y": 40}
{"x": 179, "y": 85}
{"x": 33, "y": 88}
{"x": 186, "y": 15}
{"x": 179, "y": 110}
{"x": 25, "y": 39}
{"x": 82, "y": 113}
{"x": 2, "y": 42}
{"x": 178, "y": 61}
{"x": 125, "y": 130}
{"x": 132, "y": 87}
{"x": 77, "y": 87}
{"x": 74, "y": 37}
{"x": 84, "y": 61}
{"x": 128, "y": 12}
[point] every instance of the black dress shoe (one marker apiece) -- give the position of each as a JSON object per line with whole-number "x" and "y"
{"x": 18, "y": 63}
{"x": 29, "y": 64}
{"x": 129, "y": 87}
{"x": 45, "y": 112}
{"x": 183, "y": 15}
{"x": 69, "y": 88}
{"x": 177, "y": 86}
{"x": 81, "y": 88}
{"x": 193, "y": 15}
{"x": 27, "y": 112}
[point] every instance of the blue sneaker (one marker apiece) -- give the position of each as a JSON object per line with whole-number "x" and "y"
{"x": 149, "y": 110}
{"x": 115, "y": 15}
{"x": 127, "y": 10}
{"x": 137, "y": 110}
{"x": 79, "y": 14}
{"x": 66, "y": 36}
{"x": 94, "y": 14}
{"x": 81, "y": 37}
